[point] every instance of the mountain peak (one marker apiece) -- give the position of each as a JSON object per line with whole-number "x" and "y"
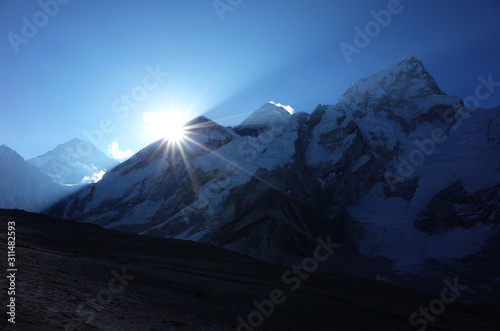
{"x": 410, "y": 59}
{"x": 411, "y": 68}
{"x": 410, "y": 64}
{"x": 275, "y": 105}
{"x": 264, "y": 118}
{"x": 73, "y": 162}
{"x": 265, "y": 115}
{"x": 6, "y": 150}
{"x": 408, "y": 79}
{"x": 202, "y": 131}
{"x": 202, "y": 125}
{"x": 200, "y": 121}
{"x": 75, "y": 141}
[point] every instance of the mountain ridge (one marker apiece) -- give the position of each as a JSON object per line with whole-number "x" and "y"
{"x": 268, "y": 189}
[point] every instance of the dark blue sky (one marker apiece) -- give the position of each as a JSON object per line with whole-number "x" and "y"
{"x": 69, "y": 76}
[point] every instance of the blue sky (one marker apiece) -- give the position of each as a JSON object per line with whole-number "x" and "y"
{"x": 71, "y": 75}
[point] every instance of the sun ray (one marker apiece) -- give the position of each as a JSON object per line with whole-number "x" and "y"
{"x": 194, "y": 181}
{"x": 179, "y": 145}
{"x": 236, "y": 165}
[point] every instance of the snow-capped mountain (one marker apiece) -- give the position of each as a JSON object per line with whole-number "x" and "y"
{"x": 432, "y": 152}
{"x": 24, "y": 186}
{"x": 395, "y": 170}
{"x": 74, "y": 162}
{"x": 262, "y": 118}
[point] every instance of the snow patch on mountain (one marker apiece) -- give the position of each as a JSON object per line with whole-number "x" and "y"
{"x": 266, "y": 115}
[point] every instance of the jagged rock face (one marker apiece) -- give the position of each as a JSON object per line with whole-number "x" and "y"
{"x": 341, "y": 157}
{"x": 376, "y": 171}
{"x": 275, "y": 219}
{"x": 455, "y": 207}
{"x": 404, "y": 189}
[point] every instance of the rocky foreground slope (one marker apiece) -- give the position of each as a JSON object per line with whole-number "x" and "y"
{"x": 74, "y": 276}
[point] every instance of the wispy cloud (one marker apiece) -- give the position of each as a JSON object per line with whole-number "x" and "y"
{"x": 116, "y": 153}
{"x": 288, "y": 108}
{"x": 94, "y": 178}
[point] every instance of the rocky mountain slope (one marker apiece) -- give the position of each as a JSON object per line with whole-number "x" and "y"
{"x": 396, "y": 171}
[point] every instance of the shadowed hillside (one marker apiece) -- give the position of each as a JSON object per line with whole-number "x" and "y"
{"x": 82, "y": 277}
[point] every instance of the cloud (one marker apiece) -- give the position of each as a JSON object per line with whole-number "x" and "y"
{"x": 288, "y": 108}
{"x": 94, "y": 178}
{"x": 97, "y": 176}
{"x": 116, "y": 153}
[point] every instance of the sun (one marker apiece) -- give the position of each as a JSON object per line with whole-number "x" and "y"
{"x": 167, "y": 125}
{"x": 173, "y": 129}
